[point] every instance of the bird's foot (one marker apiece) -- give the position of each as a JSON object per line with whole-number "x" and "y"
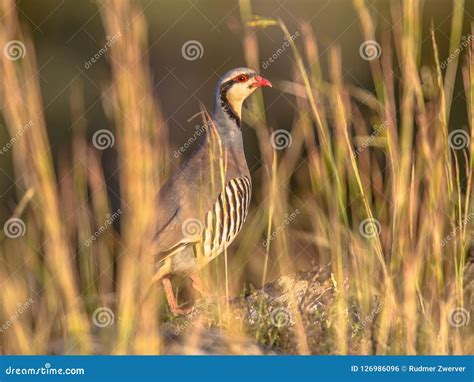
{"x": 172, "y": 303}
{"x": 176, "y": 311}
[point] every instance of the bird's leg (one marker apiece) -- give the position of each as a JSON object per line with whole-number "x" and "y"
{"x": 198, "y": 285}
{"x": 172, "y": 303}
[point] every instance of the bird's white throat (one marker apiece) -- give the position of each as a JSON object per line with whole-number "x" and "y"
{"x": 236, "y": 96}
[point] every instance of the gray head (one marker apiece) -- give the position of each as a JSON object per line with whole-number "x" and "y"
{"x": 234, "y": 87}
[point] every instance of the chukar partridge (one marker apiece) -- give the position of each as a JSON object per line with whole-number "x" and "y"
{"x": 203, "y": 206}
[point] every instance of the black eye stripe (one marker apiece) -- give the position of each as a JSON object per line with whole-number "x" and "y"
{"x": 227, "y": 84}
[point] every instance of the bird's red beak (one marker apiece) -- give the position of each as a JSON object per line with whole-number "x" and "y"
{"x": 260, "y": 82}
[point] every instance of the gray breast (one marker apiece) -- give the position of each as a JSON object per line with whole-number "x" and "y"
{"x": 225, "y": 219}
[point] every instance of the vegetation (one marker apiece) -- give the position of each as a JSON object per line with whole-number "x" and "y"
{"x": 381, "y": 182}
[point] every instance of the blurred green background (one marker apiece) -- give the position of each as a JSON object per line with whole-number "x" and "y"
{"x": 67, "y": 34}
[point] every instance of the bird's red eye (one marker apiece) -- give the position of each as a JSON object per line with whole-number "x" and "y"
{"x": 242, "y": 78}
